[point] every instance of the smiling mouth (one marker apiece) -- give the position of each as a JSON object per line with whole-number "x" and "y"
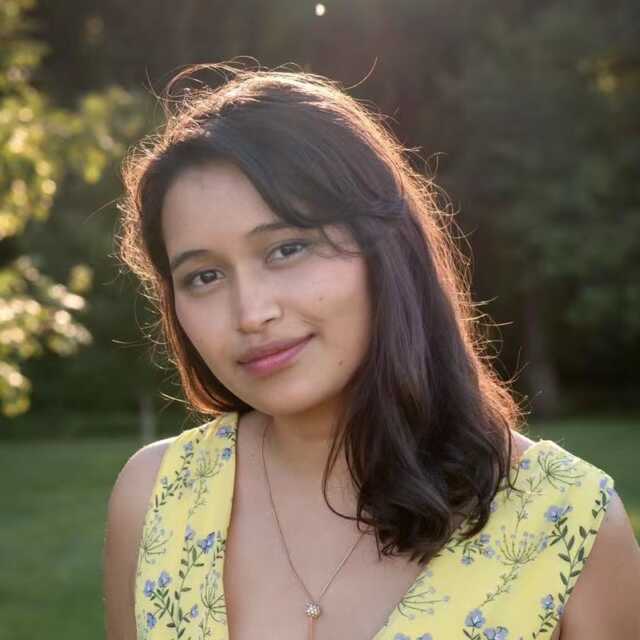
{"x": 274, "y": 361}
{"x": 276, "y": 351}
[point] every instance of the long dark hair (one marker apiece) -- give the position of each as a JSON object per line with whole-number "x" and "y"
{"x": 427, "y": 430}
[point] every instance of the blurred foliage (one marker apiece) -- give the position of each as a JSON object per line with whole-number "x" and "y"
{"x": 40, "y": 146}
{"x": 551, "y": 110}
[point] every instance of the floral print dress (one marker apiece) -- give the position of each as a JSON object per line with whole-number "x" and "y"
{"x": 509, "y": 582}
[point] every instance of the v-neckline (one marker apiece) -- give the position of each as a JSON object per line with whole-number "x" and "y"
{"x": 392, "y": 618}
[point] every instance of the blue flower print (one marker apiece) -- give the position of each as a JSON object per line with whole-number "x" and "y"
{"x": 475, "y": 619}
{"x": 188, "y": 448}
{"x": 489, "y": 552}
{"x": 425, "y": 636}
{"x": 164, "y": 579}
{"x": 151, "y": 620}
{"x": 485, "y": 538}
{"x": 189, "y": 533}
{"x": 207, "y": 543}
{"x": 194, "y": 611}
{"x": 499, "y": 633}
{"x": 603, "y": 485}
{"x": 223, "y": 432}
{"x": 226, "y": 453}
{"x": 554, "y": 513}
{"x": 525, "y": 464}
{"x": 547, "y": 602}
{"x": 467, "y": 560}
{"x": 164, "y": 481}
{"x": 149, "y": 587}
{"x": 401, "y": 636}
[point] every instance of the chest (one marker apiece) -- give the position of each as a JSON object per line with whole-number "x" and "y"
{"x": 262, "y": 591}
{"x": 263, "y": 595}
{"x": 265, "y": 598}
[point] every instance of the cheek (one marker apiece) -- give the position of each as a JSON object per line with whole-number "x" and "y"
{"x": 341, "y": 301}
{"x": 360, "y": 311}
{"x": 201, "y": 328}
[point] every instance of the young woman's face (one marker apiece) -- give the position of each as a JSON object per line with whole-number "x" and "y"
{"x": 243, "y": 290}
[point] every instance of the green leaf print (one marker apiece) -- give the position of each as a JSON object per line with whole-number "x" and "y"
{"x": 574, "y": 560}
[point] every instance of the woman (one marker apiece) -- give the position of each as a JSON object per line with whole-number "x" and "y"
{"x": 362, "y": 474}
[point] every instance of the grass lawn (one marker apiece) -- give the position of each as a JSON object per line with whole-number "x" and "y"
{"x": 54, "y": 507}
{"x": 52, "y": 533}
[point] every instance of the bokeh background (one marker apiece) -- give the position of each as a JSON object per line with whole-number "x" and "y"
{"x": 526, "y": 115}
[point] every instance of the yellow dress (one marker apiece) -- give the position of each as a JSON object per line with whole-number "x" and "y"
{"x": 509, "y": 582}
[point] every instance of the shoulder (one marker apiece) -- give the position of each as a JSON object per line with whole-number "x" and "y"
{"x": 126, "y": 512}
{"x": 136, "y": 479}
{"x": 133, "y": 486}
{"x": 605, "y": 601}
{"x": 520, "y": 444}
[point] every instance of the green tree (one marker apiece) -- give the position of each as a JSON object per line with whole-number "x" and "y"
{"x": 550, "y": 100}
{"x": 41, "y": 146}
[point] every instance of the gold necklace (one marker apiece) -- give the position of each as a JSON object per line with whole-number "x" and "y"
{"x": 312, "y": 607}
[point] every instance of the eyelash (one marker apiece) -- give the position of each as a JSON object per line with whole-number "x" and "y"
{"x": 187, "y": 281}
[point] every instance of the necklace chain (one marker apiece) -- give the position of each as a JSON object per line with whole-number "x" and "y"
{"x": 312, "y": 608}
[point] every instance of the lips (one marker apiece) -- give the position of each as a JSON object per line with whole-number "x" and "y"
{"x": 269, "y": 349}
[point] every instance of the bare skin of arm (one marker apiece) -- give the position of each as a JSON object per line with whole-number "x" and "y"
{"x": 605, "y": 602}
{"x": 125, "y": 518}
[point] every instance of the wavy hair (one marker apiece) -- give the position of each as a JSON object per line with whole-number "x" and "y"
{"x": 427, "y": 432}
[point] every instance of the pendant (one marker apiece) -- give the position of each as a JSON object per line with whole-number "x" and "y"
{"x": 312, "y": 609}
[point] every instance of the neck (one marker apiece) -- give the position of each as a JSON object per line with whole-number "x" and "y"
{"x": 297, "y": 448}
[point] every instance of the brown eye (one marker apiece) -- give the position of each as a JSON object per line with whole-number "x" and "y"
{"x": 188, "y": 282}
{"x": 303, "y": 243}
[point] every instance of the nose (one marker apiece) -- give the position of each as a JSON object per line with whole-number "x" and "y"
{"x": 255, "y": 302}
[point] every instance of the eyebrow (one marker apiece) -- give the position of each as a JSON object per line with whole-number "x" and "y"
{"x": 267, "y": 227}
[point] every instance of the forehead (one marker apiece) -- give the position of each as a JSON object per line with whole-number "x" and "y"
{"x": 216, "y": 198}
